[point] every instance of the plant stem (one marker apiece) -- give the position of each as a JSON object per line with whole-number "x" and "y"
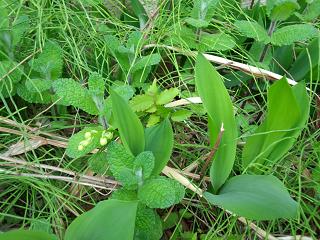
{"x": 212, "y": 152}
{"x": 271, "y": 29}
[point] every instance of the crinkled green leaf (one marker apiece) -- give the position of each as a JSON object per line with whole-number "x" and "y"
{"x": 280, "y": 10}
{"x": 96, "y": 84}
{"x": 204, "y": 9}
{"x": 74, "y": 94}
{"x": 153, "y": 120}
{"x": 218, "y": 104}
{"x": 98, "y": 163}
{"x": 180, "y": 115}
{"x": 197, "y": 23}
{"x": 74, "y": 141}
{"x": 167, "y": 96}
{"x": 118, "y": 157}
{"x": 124, "y": 195}
{"x": 146, "y": 61}
{"x": 160, "y": 193}
{"x": 148, "y": 224}
{"x": 127, "y": 178}
{"x": 293, "y": 33}
{"x": 255, "y": 197}
{"x": 19, "y": 27}
{"x": 109, "y": 220}
{"x": 125, "y": 91}
{"x": 38, "y": 85}
{"x": 159, "y": 140}
{"x": 253, "y": 30}
{"x": 130, "y": 128}
{"x": 33, "y": 97}
{"x": 144, "y": 161}
{"x": 216, "y": 42}
{"x": 141, "y": 102}
{"x": 50, "y": 62}
{"x": 8, "y": 83}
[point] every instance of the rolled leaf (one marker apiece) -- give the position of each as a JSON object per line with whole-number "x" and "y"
{"x": 288, "y": 111}
{"x": 159, "y": 140}
{"x": 217, "y": 102}
{"x": 130, "y": 128}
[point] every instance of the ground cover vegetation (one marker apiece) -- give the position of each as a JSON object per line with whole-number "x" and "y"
{"x": 159, "y": 119}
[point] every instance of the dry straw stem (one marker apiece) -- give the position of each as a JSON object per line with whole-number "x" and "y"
{"x": 249, "y": 69}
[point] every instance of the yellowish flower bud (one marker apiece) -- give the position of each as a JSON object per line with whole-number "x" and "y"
{"x": 103, "y": 141}
{"x": 85, "y": 142}
{"x": 87, "y": 135}
{"x": 80, "y": 147}
{"x": 108, "y": 135}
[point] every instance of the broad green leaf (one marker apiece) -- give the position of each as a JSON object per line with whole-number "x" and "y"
{"x": 160, "y": 193}
{"x": 130, "y": 128}
{"x": 141, "y": 102}
{"x": 146, "y": 61}
{"x": 280, "y": 10}
{"x": 306, "y": 60}
{"x": 74, "y": 142}
{"x": 96, "y": 84}
{"x": 253, "y": 30}
{"x": 4, "y": 16}
{"x": 74, "y": 94}
{"x": 293, "y": 33}
{"x": 312, "y": 11}
{"x": 140, "y": 12}
{"x": 144, "y": 162}
{"x": 180, "y": 115}
{"x": 255, "y": 197}
{"x": 217, "y": 102}
{"x": 26, "y": 235}
{"x": 134, "y": 41}
{"x": 286, "y": 117}
{"x": 159, "y": 140}
{"x": 167, "y": 96}
{"x": 109, "y": 220}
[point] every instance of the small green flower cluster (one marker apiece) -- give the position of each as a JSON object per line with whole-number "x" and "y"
{"x": 88, "y": 137}
{"x": 105, "y": 137}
